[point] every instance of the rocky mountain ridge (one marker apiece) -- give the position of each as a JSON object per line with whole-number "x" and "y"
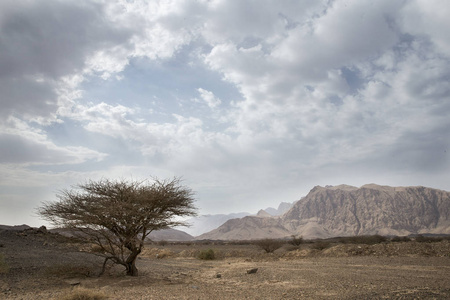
{"x": 206, "y": 223}
{"x": 346, "y": 210}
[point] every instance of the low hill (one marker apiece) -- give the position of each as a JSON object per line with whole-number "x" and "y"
{"x": 170, "y": 235}
{"x": 247, "y": 228}
{"x": 206, "y": 223}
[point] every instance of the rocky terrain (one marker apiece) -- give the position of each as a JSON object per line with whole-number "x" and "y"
{"x": 43, "y": 265}
{"x": 345, "y": 211}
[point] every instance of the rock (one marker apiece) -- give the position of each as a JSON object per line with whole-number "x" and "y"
{"x": 252, "y": 271}
{"x": 42, "y": 229}
{"x": 218, "y": 275}
{"x": 74, "y": 282}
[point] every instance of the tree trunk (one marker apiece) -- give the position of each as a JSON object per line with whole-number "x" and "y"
{"x": 131, "y": 268}
{"x": 131, "y": 264}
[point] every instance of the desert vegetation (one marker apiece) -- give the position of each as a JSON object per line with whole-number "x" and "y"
{"x": 117, "y": 216}
{"x": 269, "y": 245}
{"x": 207, "y": 254}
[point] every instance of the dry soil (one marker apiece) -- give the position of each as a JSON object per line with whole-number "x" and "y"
{"x": 48, "y": 266}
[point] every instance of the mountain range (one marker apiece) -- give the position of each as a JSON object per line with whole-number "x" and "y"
{"x": 347, "y": 211}
{"x": 206, "y": 223}
{"x": 328, "y": 211}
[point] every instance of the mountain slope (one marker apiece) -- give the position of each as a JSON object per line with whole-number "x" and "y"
{"x": 205, "y": 223}
{"x": 247, "y": 228}
{"x": 170, "y": 234}
{"x": 346, "y": 210}
{"x": 371, "y": 209}
{"x": 282, "y": 208}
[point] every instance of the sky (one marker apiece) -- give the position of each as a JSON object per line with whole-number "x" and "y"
{"x": 252, "y": 103}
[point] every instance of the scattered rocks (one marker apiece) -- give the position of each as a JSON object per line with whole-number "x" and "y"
{"x": 252, "y": 271}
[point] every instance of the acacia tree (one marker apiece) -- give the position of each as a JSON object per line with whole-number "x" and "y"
{"x": 117, "y": 216}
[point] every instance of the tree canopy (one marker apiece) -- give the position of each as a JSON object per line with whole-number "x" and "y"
{"x": 118, "y": 215}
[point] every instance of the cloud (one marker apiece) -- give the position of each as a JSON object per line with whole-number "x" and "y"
{"x": 42, "y": 42}
{"x": 23, "y": 145}
{"x": 322, "y": 91}
{"x": 209, "y": 98}
{"x": 428, "y": 20}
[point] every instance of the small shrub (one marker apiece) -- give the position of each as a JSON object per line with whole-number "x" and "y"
{"x": 4, "y": 268}
{"x": 162, "y": 243}
{"x": 320, "y": 245}
{"x": 269, "y": 245}
{"x": 296, "y": 240}
{"x": 207, "y": 254}
{"x": 84, "y": 294}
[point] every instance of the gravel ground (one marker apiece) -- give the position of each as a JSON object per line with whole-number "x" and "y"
{"x": 47, "y": 267}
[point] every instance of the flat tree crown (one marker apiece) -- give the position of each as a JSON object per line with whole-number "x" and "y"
{"x": 119, "y": 215}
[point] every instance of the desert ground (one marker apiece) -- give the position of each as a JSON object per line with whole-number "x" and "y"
{"x": 39, "y": 265}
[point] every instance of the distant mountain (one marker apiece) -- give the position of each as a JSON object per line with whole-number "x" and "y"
{"x": 264, "y": 214}
{"x": 15, "y": 227}
{"x": 247, "y": 228}
{"x": 205, "y": 223}
{"x": 282, "y": 208}
{"x": 346, "y": 210}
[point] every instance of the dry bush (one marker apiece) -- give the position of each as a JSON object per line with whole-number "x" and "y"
{"x": 162, "y": 243}
{"x": 84, "y": 294}
{"x": 320, "y": 245}
{"x": 269, "y": 245}
{"x": 207, "y": 254}
{"x": 4, "y": 268}
{"x": 296, "y": 240}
